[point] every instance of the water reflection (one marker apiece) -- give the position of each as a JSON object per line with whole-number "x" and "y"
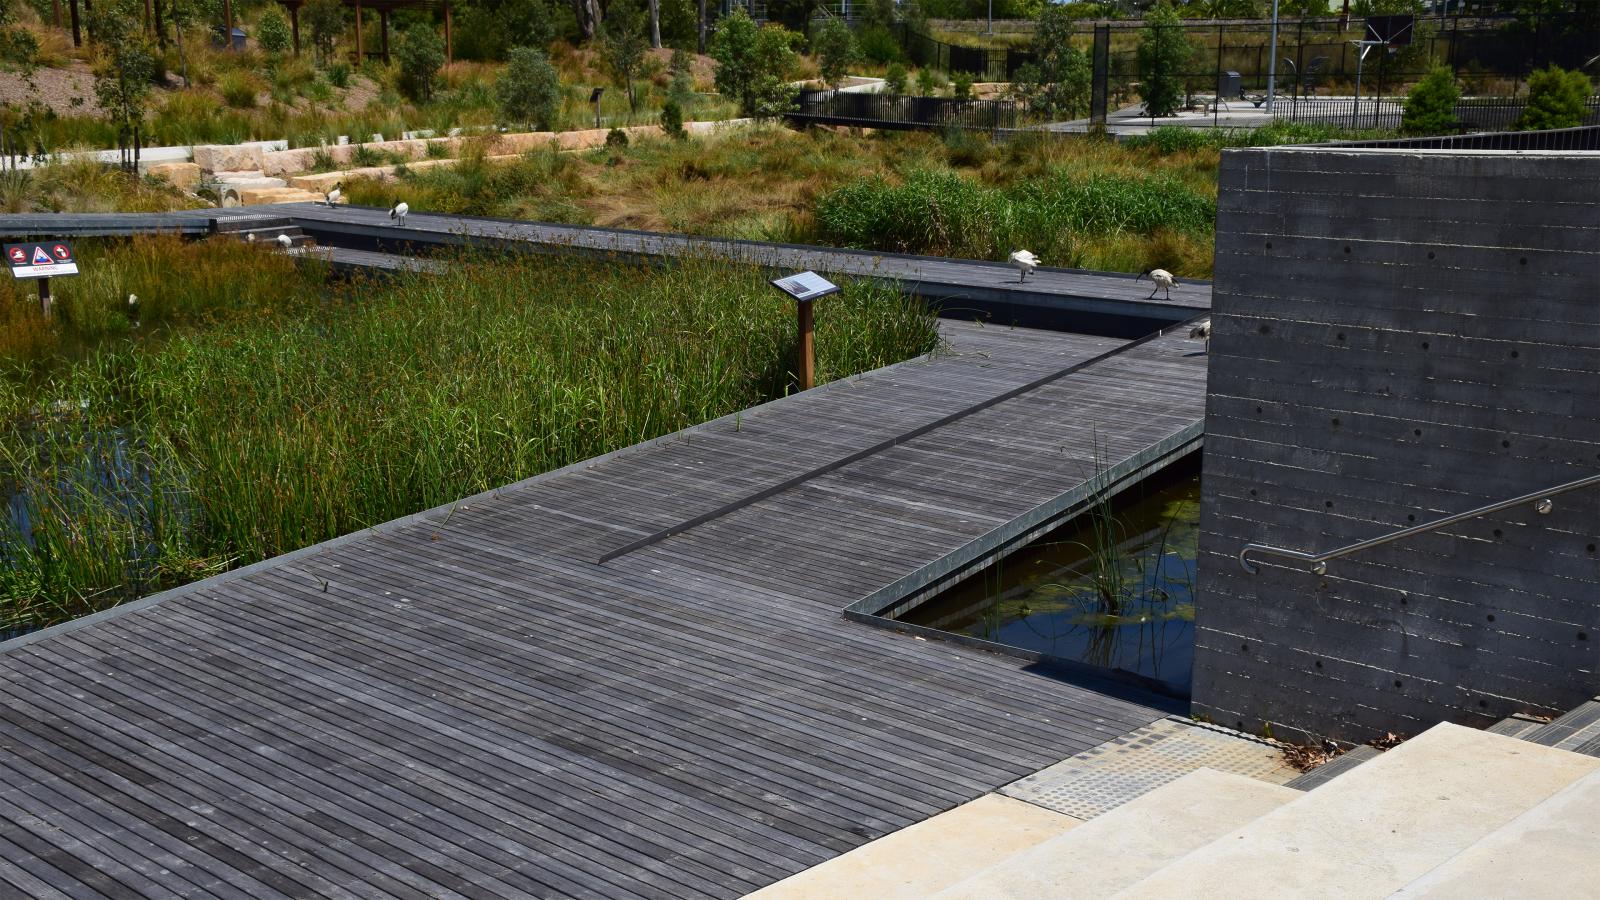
{"x": 1113, "y": 588}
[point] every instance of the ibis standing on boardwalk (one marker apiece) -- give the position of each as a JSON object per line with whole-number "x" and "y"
{"x": 1024, "y": 262}
{"x": 398, "y": 213}
{"x": 333, "y": 195}
{"x": 285, "y": 241}
{"x": 1162, "y": 281}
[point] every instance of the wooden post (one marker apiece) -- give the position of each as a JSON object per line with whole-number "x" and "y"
{"x": 383, "y": 25}
{"x": 44, "y": 297}
{"x": 808, "y": 360}
{"x": 149, "y": 17}
{"x": 294, "y": 26}
{"x": 227, "y": 16}
{"x": 449, "y": 42}
{"x": 55, "y": 10}
{"x": 361, "y": 56}
{"x": 77, "y": 31}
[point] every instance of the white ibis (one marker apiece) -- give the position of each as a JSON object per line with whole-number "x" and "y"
{"x": 333, "y": 195}
{"x": 398, "y": 213}
{"x": 249, "y": 237}
{"x": 1162, "y": 281}
{"x": 133, "y": 309}
{"x": 285, "y": 241}
{"x": 1202, "y": 332}
{"x": 1024, "y": 262}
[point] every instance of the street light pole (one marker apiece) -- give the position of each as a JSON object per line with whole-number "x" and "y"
{"x": 991, "y": 16}
{"x": 1272, "y": 60}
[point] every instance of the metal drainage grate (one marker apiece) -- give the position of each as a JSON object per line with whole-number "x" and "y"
{"x": 1105, "y": 777}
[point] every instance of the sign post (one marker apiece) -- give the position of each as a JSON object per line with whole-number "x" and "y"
{"x": 41, "y": 260}
{"x": 804, "y": 288}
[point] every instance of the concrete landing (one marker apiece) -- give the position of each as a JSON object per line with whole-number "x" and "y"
{"x": 1377, "y": 828}
{"x": 919, "y": 861}
{"x": 1112, "y": 852}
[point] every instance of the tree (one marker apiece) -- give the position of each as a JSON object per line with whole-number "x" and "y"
{"x": 835, "y": 49}
{"x": 324, "y": 21}
{"x": 1163, "y": 52}
{"x": 588, "y": 14}
{"x": 529, "y": 90}
{"x": 681, "y": 87}
{"x": 421, "y": 56}
{"x": 672, "y": 120}
{"x": 1431, "y": 105}
{"x": 272, "y": 31}
{"x": 754, "y": 64}
{"x": 623, "y": 46}
{"x": 488, "y": 29}
{"x": 1556, "y": 99}
{"x": 1057, "y": 82}
{"x": 124, "y": 65}
{"x": 655, "y": 24}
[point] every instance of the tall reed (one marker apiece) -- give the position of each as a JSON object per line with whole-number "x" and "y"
{"x": 144, "y": 465}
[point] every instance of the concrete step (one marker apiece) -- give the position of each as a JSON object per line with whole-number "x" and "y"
{"x": 1517, "y": 725}
{"x": 1112, "y": 851}
{"x": 1568, "y": 732}
{"x": 1550, "y": 852}
{"x": 1378, "y": 827}
{"x": 922, "y": 859}
{"x": 1335, "y": 767}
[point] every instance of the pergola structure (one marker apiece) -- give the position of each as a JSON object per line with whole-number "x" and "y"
{"x": 384, "y": 7}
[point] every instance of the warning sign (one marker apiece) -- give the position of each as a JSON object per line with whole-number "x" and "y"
{"x": 46, "y": 260}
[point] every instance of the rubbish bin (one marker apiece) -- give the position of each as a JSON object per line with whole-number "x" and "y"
{"x": 218, "y": 38}
{"x": 1229, "y": 86}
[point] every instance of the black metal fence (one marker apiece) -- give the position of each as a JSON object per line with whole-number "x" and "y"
{"x": 1491, "y": 55}
{"x": 1584, "y": 138}
{"x": 895, "y": 111}
{"x": 1473, "y": 114}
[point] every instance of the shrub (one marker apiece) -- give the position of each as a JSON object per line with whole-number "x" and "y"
{"x": 754, "y": 64}
{"x": 339, "y": 74}
{"x": 876, "y": 44}
{"x": 1556, "y": 99}
{"x": 672, "y": 120}
{"x": 616, "y": 139}
{"x": 894, "y": 80}
{"x": 437, "y": 150}
{"x": 1163, "y": 52}
{"x": 272, "y": 30}
{"x": 962, "y": 86}
{"x": 239, "y": 89}
{"x": 421, "y": 56}
{"x": 529, "y": 90}
{"x": 929, "y": 82}
{"x": 835, "y": 49}
{"x": 1431, "y": 105}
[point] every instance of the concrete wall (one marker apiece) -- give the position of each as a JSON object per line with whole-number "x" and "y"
{"x": 1400, "y": 336}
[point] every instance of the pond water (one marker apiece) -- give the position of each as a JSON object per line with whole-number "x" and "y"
{"x": 1113, "y": 588}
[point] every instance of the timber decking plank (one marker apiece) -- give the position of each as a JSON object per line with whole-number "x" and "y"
{"x": 466, "y": 704}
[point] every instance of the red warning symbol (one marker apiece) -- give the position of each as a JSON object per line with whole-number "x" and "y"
{"x": 18, "y": 255}
{"x": 61, "y": 252}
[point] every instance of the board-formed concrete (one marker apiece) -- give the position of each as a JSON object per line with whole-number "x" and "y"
{"x": 1399, "y": 336}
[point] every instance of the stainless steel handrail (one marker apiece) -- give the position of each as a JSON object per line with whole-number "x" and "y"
{"x": 1319, "y": 561}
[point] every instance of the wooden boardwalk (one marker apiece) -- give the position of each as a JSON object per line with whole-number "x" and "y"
{"x": 1112, "y": 302}
{"x": 468, "y": 703}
